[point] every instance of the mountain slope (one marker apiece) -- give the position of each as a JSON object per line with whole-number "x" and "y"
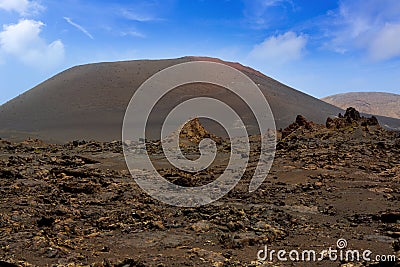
{"x": 384, "y": 104}
{"x": 89, "y": 101}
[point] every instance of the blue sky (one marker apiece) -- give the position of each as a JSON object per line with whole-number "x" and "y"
{"x": 318, "y": 47}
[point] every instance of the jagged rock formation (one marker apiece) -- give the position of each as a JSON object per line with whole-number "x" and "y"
{"x": 351, "y": 125}
{"x": 194, "y": 132}
{"x": 351, "y": 118}
{"x": 300, "y": 123}
{"x": 191, "y": 134}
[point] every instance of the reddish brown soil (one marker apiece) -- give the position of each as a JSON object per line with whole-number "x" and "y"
{"x": 77, "y": 204}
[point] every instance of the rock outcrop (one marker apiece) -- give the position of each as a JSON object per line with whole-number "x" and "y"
{"x": 194, "y": 132}
{"x": 300, "y": 123}
{"x": 351, "y": 118}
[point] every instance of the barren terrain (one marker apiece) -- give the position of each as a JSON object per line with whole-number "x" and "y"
{"x": 77, "y": 204}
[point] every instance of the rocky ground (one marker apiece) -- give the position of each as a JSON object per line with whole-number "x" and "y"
{"x": 77, "y": 204}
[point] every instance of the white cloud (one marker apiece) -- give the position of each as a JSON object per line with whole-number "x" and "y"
{"x": 280, "y": 49}
{"x": 368, "y": 25}
{"x": 23, "y": 41}
{"x": 79, "y": 27}
{"x": 23, "y": 7}
{"x": 386, "y": 43}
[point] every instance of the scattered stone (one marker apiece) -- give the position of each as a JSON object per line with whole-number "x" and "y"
{"x": 76, "y": 204}
{"x": 201, "y": 226}
{"x": 45, "y": 222}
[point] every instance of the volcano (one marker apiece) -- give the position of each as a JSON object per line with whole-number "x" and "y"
{"x": 89, "y": 101}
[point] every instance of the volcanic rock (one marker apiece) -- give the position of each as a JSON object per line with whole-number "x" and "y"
{"x": 351, "y": 118}
{"x": 352, "y": 114}
{"x": 194, "y": 132}
{"x": 300, "y": 123}
{"x": 77, "y": 204}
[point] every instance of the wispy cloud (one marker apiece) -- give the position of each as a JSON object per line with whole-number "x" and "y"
{"x": 22, "y": 7}
{"x": 138, "y": 16}
{"x": 366, "y": 25}
{"x": 79, "y": 27}
{"x": 262, "y": 13}
{"x": 133, "y": 34}
{"x": 386, "y": 43}
{"x": 270, "y": 3}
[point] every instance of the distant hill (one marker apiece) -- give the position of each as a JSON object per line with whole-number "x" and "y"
{"x": 383, "y": 104}
{"x": 89, "y": 101}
